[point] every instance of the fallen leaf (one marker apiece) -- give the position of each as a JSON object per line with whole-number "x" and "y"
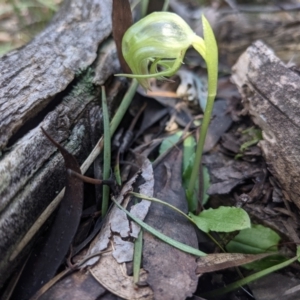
{"x": 77, "y": 286}
{"x": 113, "y": 277}
{"x": 219, "y": 261}
{"x": 153, "y": 112}
{"x": 219, "y": 124}
{"x": 171, "y": 272}
{"x": 225, "y": 174}
{"x": 121, "y": 21}
{"x": 117, "y": 223}
{"x": 46, "y": 259}
{"x": 117, "y": 236}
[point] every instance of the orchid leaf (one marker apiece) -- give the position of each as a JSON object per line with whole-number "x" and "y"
{"x": 169, "y": 142}
{"x": 188, "y": 150}
{"x": 255, "y": 240}
{"x": 222, "y": 219}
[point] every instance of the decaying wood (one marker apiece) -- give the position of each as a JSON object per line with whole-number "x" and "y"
{"x": 33, "y": 75}
{"x": 278, "y": 29}
{"x": 37, "y": 88}
{"x": 270, "y": 93}
{"x": 236, "y": 29}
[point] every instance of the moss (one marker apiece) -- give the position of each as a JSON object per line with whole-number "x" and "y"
{"x": 83, "y": 86}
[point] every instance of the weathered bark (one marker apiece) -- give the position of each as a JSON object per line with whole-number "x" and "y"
{"x": 278, "y": 29}
{"x": 235, "y": 30}
{"x": 37, "y": 88}
{"x": 270, "y": 93}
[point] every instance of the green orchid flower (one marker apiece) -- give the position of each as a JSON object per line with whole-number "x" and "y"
{"x": 155, "y": 47}
{"x": 158, "y": 40}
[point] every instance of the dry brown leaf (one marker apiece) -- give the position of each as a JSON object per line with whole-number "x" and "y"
{"x": 117, "y": 236}
{"x": 220, "y": 123}
{"x": 220, "y": 261}
{"x": 77, "y": 286}
{"x": 171, "y": 271}
{"x": 117, "y": 227}
{"x": 112, "y": 275}
{"x": 226, "y": 174}
{"x": 86, "y": 283}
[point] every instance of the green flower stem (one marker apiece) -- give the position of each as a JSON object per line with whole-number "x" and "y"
{"x": 144, "y": 7}
{"x": 123, "y": 106}
{"x": 200, "y": 145}
{"x": 209, "y": 51}
{"x": 166, "y": 5}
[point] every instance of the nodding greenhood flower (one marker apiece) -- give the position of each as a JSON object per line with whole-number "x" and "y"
{"x": 155, "y": 46}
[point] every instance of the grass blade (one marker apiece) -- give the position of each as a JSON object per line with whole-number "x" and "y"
{"x": 161, "y": 236}
{"x": 106, "y": 153}
{"x": 248, "y": 279}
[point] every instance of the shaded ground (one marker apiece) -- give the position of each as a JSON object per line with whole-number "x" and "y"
{"x": 239, "y": 175}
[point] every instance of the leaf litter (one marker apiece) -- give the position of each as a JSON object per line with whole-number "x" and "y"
{"x": 171, "y": 272}
{"x": 47, "y": 257}
{"x": 244, "y": 182}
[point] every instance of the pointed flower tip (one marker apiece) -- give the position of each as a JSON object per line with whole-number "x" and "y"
{"x": 155, "y": 46}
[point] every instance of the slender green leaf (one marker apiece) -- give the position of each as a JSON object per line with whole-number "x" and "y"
{"x": 298, "y": 253}
{"x": 137, "y": 257}
{"x": 106, "y": 153}
{"x": 222, "y": 219}
{"x": 123, "y": 106}
{"x": 166, "y": 239}
{"x": 246, "y": 280}
{"x": 166, "y": 5}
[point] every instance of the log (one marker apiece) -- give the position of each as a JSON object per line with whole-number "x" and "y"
{"x": 53, "y": 82}
{"x": 236, "y": 28}
{"x": 270, "y": 94}
{"x": 277, "y": 27}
